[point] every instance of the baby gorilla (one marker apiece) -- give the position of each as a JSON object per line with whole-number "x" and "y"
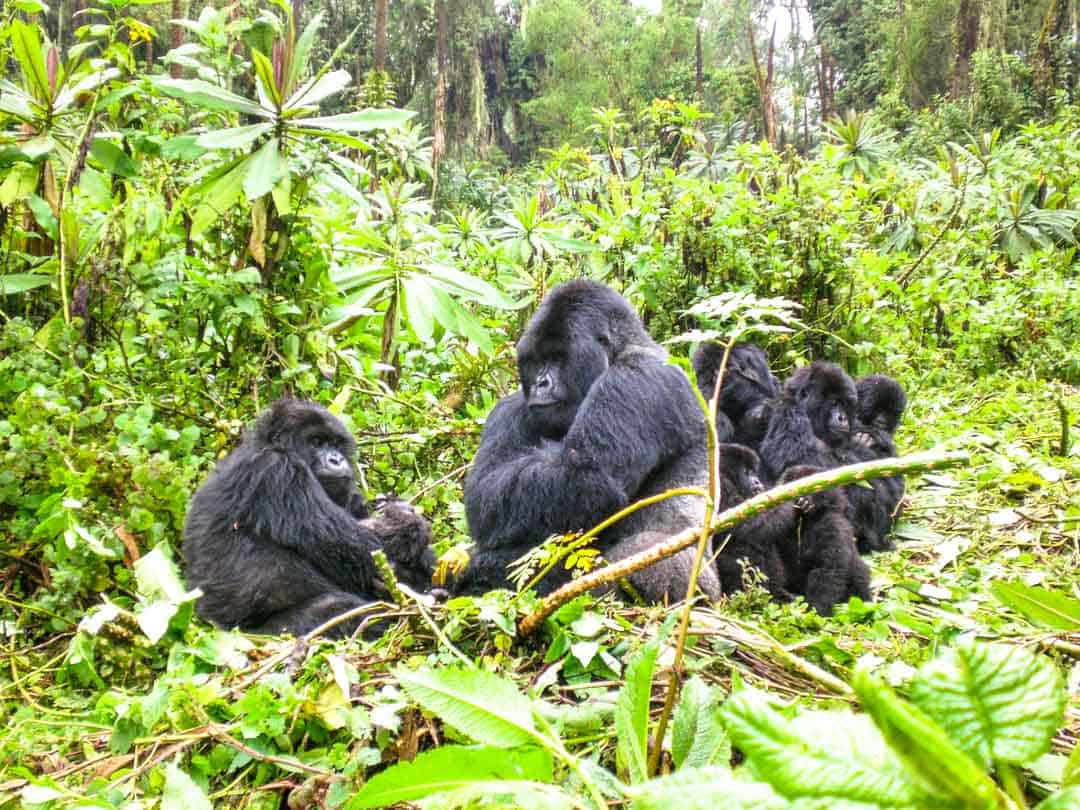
{"x": 820, "y": 560}
{"x": 279, "y": 538}
{"x": 746, "y": 392}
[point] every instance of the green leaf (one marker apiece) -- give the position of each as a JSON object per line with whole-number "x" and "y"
{"x": 44, "y": 216}
{"x": 302, "y": 52}
{"x": 29, "y": 53}
{"x": 359, "y": 121}
{"x": 480, "y": 705}
{"x": 14, "y": 283}
{"x": 216, "y": 194}
{"x": 419, "y": 303}
{"x": 264, "y": 71}
{"x": 157, "y": 575}
{"x": 233, "y": 137}
{"x": 999, "y": 703}
{"x": 632, "y": 713}
{"x": 1067, "y": 799}
{"x": 451, "y": 768}
{"x": 209, "y": 96}
{"x": 701, "y": 789}
{"x": 829, "y": 754}
{"x": 1071, "y": 774}
{"x": 266, "y": 169}
{"x": 1040, "y": 605}
{"x": 181, "y": 792}
{"x": 924, "y": 746}
{"x": 317, "y": 89}
{"x": 698, "y": 737}
{"x": 113, "y": 159}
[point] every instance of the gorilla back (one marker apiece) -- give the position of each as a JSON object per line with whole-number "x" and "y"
{"x": 600, "y": 421}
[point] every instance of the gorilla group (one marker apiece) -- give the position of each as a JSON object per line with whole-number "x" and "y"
{"x": 818, "y": 419}
{"x": 279, "y": 538}
{"x": 600, "y": 421}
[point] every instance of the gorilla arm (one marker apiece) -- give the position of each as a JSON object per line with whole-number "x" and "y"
{"x": 281, "y": 502}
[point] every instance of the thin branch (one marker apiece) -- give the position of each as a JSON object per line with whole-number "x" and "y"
{"x": 840, "y": 476}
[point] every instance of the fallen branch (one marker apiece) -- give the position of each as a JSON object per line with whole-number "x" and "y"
{"x": 839, "y": 476}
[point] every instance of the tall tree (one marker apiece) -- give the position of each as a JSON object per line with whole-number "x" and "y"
{"x": 765, "y": 78}
{"x": 968, "y": 18}
{"x": 382, "y": 11}
{"x": 438, "y": 128}
{"x": 1055, "y": 26}
{"x": 176, "y": 36}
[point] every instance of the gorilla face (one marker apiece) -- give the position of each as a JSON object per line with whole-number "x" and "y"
{"x": 747, "y": 378}
{"x": 319, "y": 440}
{"x": 571, "y": 340}
{"x": 881, "y": 402}
{"x": 827, "y": 395}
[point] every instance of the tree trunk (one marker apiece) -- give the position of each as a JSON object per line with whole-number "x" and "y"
{"x": 438, "y": 126}
{"x": 382, "y": 8}
{"x": 765, "y": 80}
{"x": 967, "y": 42}
{"x": 699, "y": 72}
{"x": 176, "y": 36}
{"x": 1055, "y": 24}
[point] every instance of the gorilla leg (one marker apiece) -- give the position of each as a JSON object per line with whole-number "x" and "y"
{"x": 668, "y": 579}
{"x": 303, "y": 617}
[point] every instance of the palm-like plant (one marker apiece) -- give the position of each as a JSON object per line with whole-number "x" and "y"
{"x": 863, "y": 147}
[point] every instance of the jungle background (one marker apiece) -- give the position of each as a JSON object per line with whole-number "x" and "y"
{"x": 205, "y": 207}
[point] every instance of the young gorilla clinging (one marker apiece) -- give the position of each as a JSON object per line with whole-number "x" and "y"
{"x": 279, "y": 538}
{"x": 881, "y": 403}
{"x": 601, "y": 420}
{"x": 821, "y": 561}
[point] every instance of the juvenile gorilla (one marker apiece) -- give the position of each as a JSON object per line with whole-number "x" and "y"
{"x": 279, "y": 537}
{"x": 881, "y": 403}
{"x": 601, "y": 420}
{"x": 756, "y": 542}
{"x": 812, "y": 424}
{"x": 746, "y": 393}
{"x": 821, "y": 561}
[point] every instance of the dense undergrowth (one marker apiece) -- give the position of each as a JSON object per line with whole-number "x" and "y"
{"x": 170, "y": 265}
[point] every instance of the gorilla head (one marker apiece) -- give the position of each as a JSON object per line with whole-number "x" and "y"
{"x": 580, "y": 329}
{"x": 309, "y": 434}
{"x": 747, "y": 379}
{"x": 827, "y": 395}
{"x": 881, "y": 402}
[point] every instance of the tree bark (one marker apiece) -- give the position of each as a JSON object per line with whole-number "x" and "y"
{"x": 382, "y": 9}
{"x": 438, "y": 126}
{"x": 1055, "y": 24}
{"x": 176, "y": 36}
{"x": 699, "y": 71}
{"x": 765, "y": 80}
{"x": 967, "y": 42}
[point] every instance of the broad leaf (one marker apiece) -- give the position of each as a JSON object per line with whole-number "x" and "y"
{"x": 829, "y": 754}
{"x": 302, "y": 50}
{"x": 701, "y": 789}
{"x": 1039, "y": 605}
{"x": 359, "y": 121}
{"x": 215, "y": 195}
{"x": 29, "y": 53}
{"x": 14, "y": 283}
{"x": 929, "y": 753}
{"x": 698, "y": 737}
{"x": 233, "y": 137}
{"x": 181, "y": 792}
{"x": 315, "y": 90}
{"x": 632, "y": 713}
{"x": 482, "y": 706}
{"x": 1067, "y": 799}
{"x": 264, "y": 72}
{"x": 266, "y": 169}
{"x": 451, "y": 768}
{"x": 999, "y": 703}
{"x": 419, "y": 303}
{"x": 209, "y": 96}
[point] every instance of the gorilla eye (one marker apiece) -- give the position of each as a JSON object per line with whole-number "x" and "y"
{"x": 603, "y": 340}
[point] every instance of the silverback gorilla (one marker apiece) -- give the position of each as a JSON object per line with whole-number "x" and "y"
{"x": 279, "y": 537}
{"x": 600, "y": 421}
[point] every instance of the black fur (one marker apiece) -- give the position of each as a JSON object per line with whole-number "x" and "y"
{"x": 747, "y": 387}
{"x": 279, "y": 538}
{"x": 601, "y": 421}
{"x": 881, "y": 404}
{"x": 756, "y": 542}
{"x": 821, "y": 560}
